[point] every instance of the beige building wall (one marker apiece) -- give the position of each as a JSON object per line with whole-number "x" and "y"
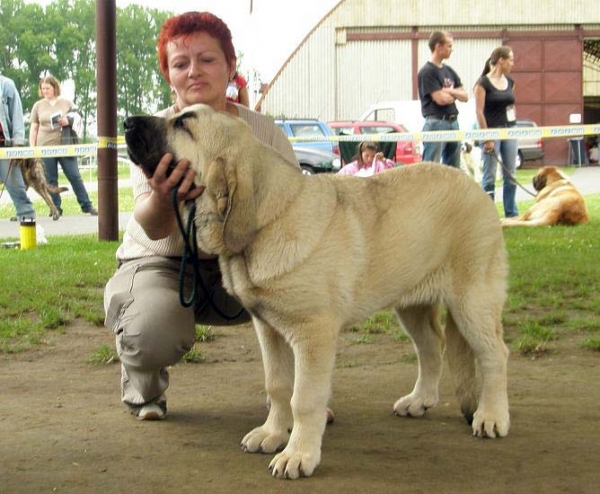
{"x": 364, "y": 52}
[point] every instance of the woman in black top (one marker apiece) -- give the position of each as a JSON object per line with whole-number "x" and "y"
{"x": 495, "y": 108}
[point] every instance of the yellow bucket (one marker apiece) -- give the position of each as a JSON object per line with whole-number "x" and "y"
{"x": 27, "y": 231}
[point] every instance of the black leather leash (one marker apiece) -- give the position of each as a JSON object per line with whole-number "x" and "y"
{"x": 10, "y": 164}
{"x": 190, "y": 254}
{"x": 510, "y": 175}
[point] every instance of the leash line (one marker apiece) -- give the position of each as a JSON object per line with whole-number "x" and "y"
{"x": 10, "y": 164}
{"x": 190, "y": 254}
{"x": 508, "y": 172}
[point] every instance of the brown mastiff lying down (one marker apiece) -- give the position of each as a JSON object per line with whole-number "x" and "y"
{"x": 310, "y": 255}
{"x": 557, "y": 202}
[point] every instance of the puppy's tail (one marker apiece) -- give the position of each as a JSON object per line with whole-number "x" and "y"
{"x": 57, "y": 190}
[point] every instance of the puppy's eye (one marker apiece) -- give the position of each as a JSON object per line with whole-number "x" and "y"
{"x": 180, "y": 123}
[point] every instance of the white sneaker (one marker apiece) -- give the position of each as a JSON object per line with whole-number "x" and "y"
{"x": 151, "y": 411}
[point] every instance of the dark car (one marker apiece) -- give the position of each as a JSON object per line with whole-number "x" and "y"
{"x": 308, "y": 133}
{"x": 530, "y": 148}
{"x": 315, "y": 161}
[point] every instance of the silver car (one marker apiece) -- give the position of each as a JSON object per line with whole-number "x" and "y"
{"x": 530, "y": 149}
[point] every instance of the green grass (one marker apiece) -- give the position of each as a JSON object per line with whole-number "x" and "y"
{"x": 203, "y": 334}
{"x": 383, "y": 322}
{"x": 553, "y": 289}
{"x": 46, "y": 288}
{"x": 591, "y": 344}
{"x": 103, "y": 355}
{"x": 69, "y": 204}
{"x": 554, "y": 282}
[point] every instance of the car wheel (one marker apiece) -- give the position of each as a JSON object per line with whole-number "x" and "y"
{"x": 307, "y": 170}
{"x": 519, "y": 160}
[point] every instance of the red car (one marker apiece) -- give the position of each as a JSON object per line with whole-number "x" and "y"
{"x": 407, "y": 152}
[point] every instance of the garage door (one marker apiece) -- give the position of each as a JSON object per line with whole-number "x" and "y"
{"x": 548, "y": 83}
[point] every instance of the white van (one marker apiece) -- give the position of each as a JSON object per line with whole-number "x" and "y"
{"x": 408, "y": 113}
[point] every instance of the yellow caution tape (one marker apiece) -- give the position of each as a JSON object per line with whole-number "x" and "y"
{"x": 48, "y": 151}
{"x": 110, "y": 142}
{"x": 505, "y": 133}
{"x": 551, "y": 132}
{"x": 67, "y": 150}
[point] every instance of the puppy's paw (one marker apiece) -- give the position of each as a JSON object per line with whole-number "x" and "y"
{"x": 415, "y": 404}
{"x": 486, "y": 424}
{"x": 265, "y": 440}
{"x": 292, "y": 464}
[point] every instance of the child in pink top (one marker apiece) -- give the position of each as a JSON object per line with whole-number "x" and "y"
{"x": 369, "y": 160}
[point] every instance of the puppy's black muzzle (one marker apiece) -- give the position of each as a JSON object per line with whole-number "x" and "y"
{"x": 146, "y": 143}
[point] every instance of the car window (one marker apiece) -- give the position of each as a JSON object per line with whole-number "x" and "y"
{"x": 304, "y": 130}
{"x": 377, "y": 129}
{"x": 347, "y": 131}
{"x": 525, "y": 123}
{"x": 385, "y": 114}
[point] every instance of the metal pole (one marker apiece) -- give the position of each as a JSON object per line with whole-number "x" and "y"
{"x": 106, "y": 77}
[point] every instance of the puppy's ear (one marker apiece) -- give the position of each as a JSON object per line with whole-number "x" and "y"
{"x": 217, "y": 186}
{"x": 232, "y": 186}
{"x": 539, "y": 180}
{"x": 241, "y": 222}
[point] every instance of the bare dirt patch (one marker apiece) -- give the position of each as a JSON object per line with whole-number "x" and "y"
{"x": 63, "y": 429}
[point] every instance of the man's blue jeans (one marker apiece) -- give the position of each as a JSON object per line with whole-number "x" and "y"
{"x": 12, "y": 177}
{"x": 507, "y": 150}
{"x": 446, "y": 152}
{"x": 71, "y": 170}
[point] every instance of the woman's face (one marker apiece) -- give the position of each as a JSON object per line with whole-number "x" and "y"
{"x": 368, "y": 155}
{"x": 507, "y": 64}
{"x": 198, "y": 70}
{"x": 47, "y": 90}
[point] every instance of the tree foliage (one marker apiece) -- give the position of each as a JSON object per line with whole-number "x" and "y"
{"x": 139, "y": 83}
{"x": 61, "y": 40}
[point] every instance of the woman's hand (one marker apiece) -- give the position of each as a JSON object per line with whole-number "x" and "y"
{"x": 154, "y": 210}
{"x": 488, "y": 147}
{"x": 181, "y": 177}
{"x": 380, "y": 157}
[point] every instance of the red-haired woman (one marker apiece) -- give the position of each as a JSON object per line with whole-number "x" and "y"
{"x": 153, "y": 330}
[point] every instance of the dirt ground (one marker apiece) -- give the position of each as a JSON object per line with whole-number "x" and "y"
{"x": 63, "y": 429}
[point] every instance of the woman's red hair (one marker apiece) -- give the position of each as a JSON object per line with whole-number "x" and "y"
{"x": 191, "y": 23}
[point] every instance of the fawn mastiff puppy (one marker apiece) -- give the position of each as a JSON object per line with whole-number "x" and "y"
{"x": 309, "y": 255}
{"x": 558, "y": 202}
